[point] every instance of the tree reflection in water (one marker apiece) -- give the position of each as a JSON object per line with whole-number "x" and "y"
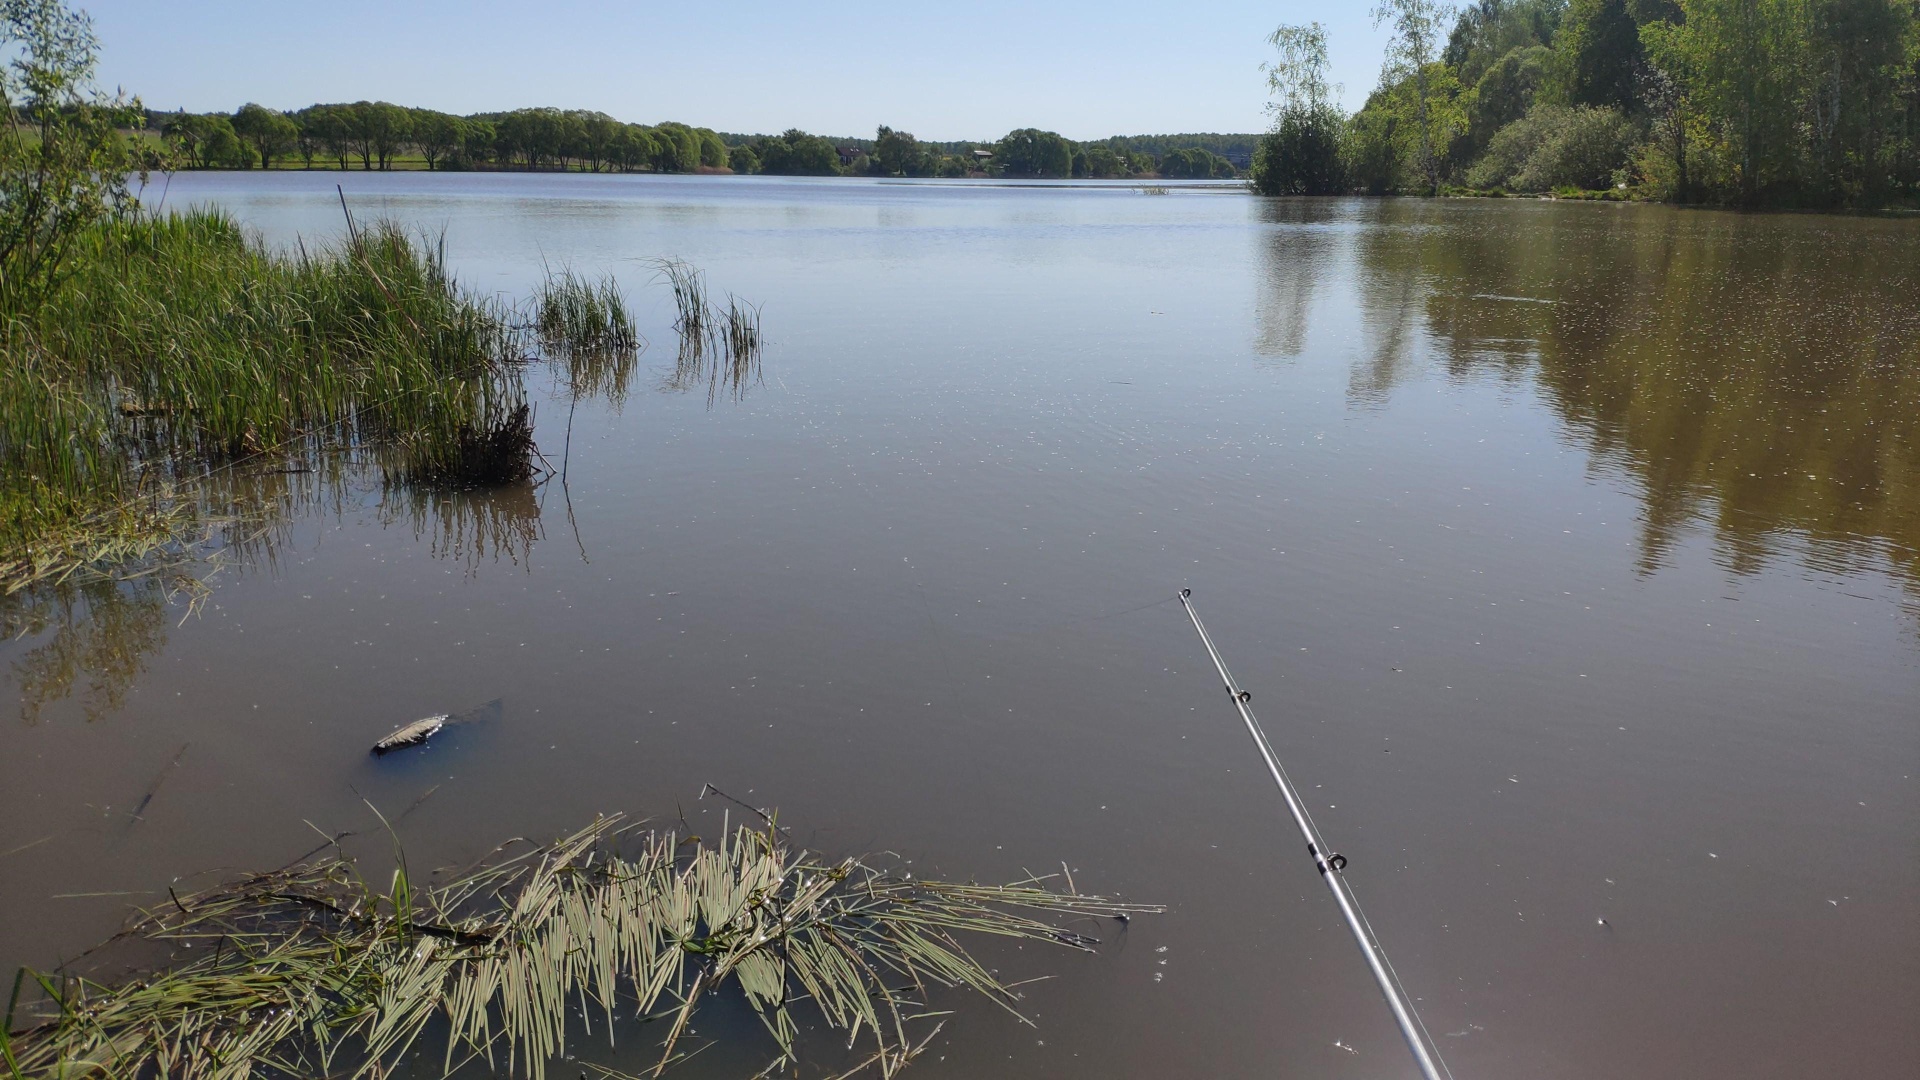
{"x": 1759, "y": 373}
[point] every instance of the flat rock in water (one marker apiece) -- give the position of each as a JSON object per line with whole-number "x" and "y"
{"x": 411, "y": 735}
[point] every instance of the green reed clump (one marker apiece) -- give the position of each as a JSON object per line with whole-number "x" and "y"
{"x": 587, "y": 329}
{"x": 313, "y": 971}
{"x": 575, "y": 314}
{"x": 721, "y": 347}
{"x": 693, "y": 314}
{"x": 177, "y": 343}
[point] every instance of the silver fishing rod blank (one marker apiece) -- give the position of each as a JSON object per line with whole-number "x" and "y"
{"x": 1330, "y": 864}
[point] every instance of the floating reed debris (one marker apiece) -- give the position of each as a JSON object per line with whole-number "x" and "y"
{"x": 313, "y": 971}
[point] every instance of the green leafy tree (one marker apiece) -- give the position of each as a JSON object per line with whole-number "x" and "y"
{"x": 1195, "y": 163}
{"x": 1738, "y": 56}
{"x": 1301, "y": 154}
{"x": 1600, "y": 55}
{"x": 1032, "y": 152}
{"x": 359, "y": 132}
{"x": 64, "y": 161}
{"x": 331, "y": 128}
{"x": 635, "y": 148}
{"x": 1490, "y": 29}
{"x": 270, "y": 133}
{"x": 1412, "y": 58}
{"x": 535, "y": 137}
{"x": 897, "y": 153}
{"x": 1370, "y": 149}
{"x": 437, "y": 135}
{"x": 796, "y": 153}
{"x": 1849, "y": 91}
{"x": 1401, "y": 125}
{"x": 478, "y": 138}
{"x": 569, "y": 137}
{"x": 305, "y": 142}
{"x": 679, "y": 147}
{"x": 742, "y": 160}
{"x": 598, "y": 135}
{"x": 1505, "y": 92}
{"x": 1667, "y": 91}
{"x": 386, "y": 129}
{"x": 1102, "y": 163}
{"x": 713, "y": 149}
{"x": 207, "y": 141}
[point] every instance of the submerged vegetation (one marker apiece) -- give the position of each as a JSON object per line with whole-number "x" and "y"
{"x": 313, "y": 970}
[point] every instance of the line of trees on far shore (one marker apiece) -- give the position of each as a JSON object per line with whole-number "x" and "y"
{"x": 374, "y": 135}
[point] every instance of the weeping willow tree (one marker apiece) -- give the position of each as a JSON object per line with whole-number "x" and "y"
{"x": 312, "y": 970}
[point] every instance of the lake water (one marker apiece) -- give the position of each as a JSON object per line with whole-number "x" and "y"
{"x": 1571, "y": 552}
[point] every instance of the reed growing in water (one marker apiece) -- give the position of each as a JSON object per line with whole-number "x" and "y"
{"x": 311, "y": 970}
{"x": 177, "y": 345}
{"x": 718, "y": 346}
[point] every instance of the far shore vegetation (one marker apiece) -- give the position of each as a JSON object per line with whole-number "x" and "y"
{"x": 381, "y": 136}
{"x": 1751, "y": 103}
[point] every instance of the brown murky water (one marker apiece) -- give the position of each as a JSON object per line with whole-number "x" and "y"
{"x": 1572, "y": 551}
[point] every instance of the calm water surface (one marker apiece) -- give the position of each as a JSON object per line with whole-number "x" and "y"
{"x": 1571, "y": 551}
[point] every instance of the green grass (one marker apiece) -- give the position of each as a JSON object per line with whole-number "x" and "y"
{"x": 178, "y": 345}
{"x": 313, "y": 970}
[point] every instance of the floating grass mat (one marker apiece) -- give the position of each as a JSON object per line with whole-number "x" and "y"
{"x": 312, "y": 970}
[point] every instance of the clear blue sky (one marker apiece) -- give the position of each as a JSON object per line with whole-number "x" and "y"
{"x": 952, "y": 71}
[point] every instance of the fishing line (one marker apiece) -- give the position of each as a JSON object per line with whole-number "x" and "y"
{"x": 1330, "y": 865}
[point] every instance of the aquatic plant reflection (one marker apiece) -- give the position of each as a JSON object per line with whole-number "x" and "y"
{"x": 468, "y": 527}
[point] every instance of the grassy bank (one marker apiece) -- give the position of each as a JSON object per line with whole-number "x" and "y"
{"x": 176, "y": 346}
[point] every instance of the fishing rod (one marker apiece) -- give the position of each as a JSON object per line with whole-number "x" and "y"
{"x": 1330, "y": 864}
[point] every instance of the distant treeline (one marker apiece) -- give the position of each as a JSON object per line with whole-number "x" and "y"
{"x": 377, "y": 135}
{"x": 1749, "y": 102}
